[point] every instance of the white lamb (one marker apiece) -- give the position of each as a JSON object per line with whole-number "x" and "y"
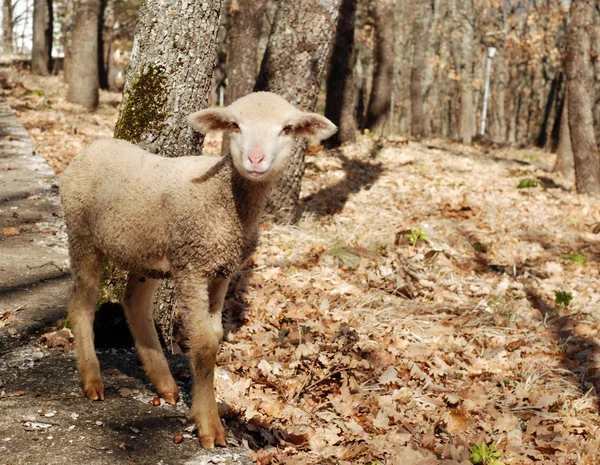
{"x": 193, "y": 219}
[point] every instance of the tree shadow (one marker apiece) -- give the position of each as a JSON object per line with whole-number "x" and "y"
{"x": 577, "y": 353}
{"x": 330, "y": 200}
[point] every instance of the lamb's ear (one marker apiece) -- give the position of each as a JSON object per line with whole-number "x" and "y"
{"x": 211, "y": 119}
{"x": 313, "y": 126}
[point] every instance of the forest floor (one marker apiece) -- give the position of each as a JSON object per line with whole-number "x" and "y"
{"x": 423, "y": 305}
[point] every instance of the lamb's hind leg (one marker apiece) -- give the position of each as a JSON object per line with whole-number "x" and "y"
{"x": 82, "y": 308}
{"x": 138, "y": 309}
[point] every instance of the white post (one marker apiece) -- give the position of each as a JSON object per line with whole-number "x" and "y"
{"x": 486, "y": 91}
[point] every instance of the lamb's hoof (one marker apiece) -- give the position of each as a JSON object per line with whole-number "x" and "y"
{"x": 213, "y": 434}
{"x": 170, "y": 397}
{"x": 94, "y": 389}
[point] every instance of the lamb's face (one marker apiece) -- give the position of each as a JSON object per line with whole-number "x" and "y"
{"x": 263, "y": 127}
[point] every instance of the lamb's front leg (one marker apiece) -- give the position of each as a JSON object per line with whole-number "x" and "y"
{"x": 193, "y": 301}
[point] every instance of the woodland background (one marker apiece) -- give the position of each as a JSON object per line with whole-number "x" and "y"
{"x": 426, "y": 289}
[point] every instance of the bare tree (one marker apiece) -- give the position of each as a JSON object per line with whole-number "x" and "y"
{"x": 242, "y": 61}
{"x": 340, "y": 106}
{"x": 293, "y": 67}
{"x": 564, "y": 152}
{"x": 83, "y": 66}
{"x": 7, "y": 27}
{"x": 41, "y": 50}
{"x": 421, "y": 26}
{"x": 579, "y": 81}
{"x": 105, "y": 41}
{"x": 378, "y": 111}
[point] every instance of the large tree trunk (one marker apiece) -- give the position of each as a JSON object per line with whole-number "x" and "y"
{"x": 340, "y": 106}
{"x": 293, "y": 67}
{"x": 242, "y": 61}
{"x": 41, "y": 50}
{"x": 579, "y": 84}
{"x": 421, "y": 26}
{"x": 169, "y": 77}
{"x": 7, "y": 27}
{"x": 378, "y": 111}
{"x": 564, "y": 152}
{"x": 83, "y": 66}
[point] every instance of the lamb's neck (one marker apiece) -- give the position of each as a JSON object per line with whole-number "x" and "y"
{"x": 250, "y": 197}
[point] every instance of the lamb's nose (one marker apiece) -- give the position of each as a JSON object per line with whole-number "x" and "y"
{"x": 255, "y": 159}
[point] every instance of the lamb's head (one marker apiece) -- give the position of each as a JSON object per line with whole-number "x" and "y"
{"x": 263, "y": 127}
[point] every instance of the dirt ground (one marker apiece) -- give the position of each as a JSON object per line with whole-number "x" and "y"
{"x": 424, "y": 304}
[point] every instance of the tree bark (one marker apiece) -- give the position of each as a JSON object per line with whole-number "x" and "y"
{"x": 67, "y": 35}
{"x": 7, "y": 27}
{"x": 242, "y": 61}
{"x": 83, "y": 67}
{"x": 41, "y": 50}
{"x": 564, "y": 152}
{"x": 105, "y": 40}
{"x": 579, "y": 83}
{"x": 417, "y": 75}
{"x": 378, "y": 111}
{"x": 169, "y": 77}
{"x": 340, "y": 106}
{"x": 293, "y": 67}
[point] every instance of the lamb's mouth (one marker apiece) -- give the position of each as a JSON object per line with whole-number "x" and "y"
{"x": 256, "y": 174}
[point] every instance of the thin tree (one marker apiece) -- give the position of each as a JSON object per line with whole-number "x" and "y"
{"x": 293, "y": 66}
{"x": 340, "y": 106}
{"x": 242, "y": 62}
{"x": 378, "y": 110}
{"x": 421, "y": 26}
{"x": 83, "y": 65}
{"x": 41, "y": 49}
{"x": 564, "y": 152}
{"x": 579, "y": 81}
{"x": 7, "y": 27}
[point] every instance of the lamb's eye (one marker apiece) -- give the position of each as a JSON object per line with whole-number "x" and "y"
{"x": 287, "y": 130}
{"x": 235, "y": 127}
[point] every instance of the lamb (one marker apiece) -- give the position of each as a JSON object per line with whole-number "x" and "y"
{"x": 193, "y": 219}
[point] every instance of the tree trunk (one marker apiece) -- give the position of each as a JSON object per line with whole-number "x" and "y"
{"x": 7, "y": 27}
{"x": 293, "y": 67}
{"x": 378, "y": 111}
{"x": 67, "y": 35}
{"x": 564, "y": 152}
{"x": 340, "y": 106}
{"x": 105, "y": 41}
{"x": 242, "y": 63}
{"x": 41, "y": 50}
{"x": 169, "y": 77}
{"x": 579, "y": 83}
{"x": 83, "y": 67}
{"x": 417, "y": 74}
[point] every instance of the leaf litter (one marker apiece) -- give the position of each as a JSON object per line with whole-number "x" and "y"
{"x": 348, "y": 343}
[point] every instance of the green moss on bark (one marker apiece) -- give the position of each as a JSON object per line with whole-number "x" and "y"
{"x": 112, "y": 284}
{"x": 145, "y": 105}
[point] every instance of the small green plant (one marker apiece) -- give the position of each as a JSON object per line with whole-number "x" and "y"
{"x": 527, "y": 183}
{"x": 417, "y": 235}
{"x": 576, "y": 258}
{"x": 344, "y": 254}
{"x": 563, "y": 298}
{"x": 38, "y": 92}
{"x": 485, "y": 455}
{"x": 367, "y": 132}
